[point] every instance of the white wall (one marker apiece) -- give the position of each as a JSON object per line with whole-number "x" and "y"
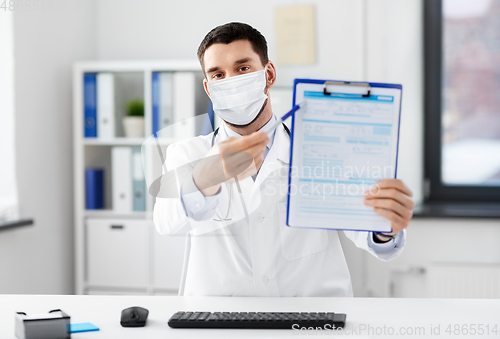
{"x": 8, "y": 189}
{"x": 395, "y": 54}
{"x": 455, "y": 241}
{"x": 174, "y": 29}
{"x": 39, "y": 259}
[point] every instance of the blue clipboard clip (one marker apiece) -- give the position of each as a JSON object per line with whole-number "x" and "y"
{"x": 344, "y": 83}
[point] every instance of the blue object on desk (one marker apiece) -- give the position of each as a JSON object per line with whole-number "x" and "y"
{"x": 83, "y": 327}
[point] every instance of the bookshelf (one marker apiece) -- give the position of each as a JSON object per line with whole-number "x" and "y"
{"x": 117, "y": 251}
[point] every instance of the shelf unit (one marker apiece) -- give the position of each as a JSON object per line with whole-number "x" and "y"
{"x": 153, "y": 262}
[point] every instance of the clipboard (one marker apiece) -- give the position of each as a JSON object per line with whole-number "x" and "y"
{"x": 341, "y": 123}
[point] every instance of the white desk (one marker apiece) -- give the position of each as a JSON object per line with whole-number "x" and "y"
{"x": 398, "y": 314}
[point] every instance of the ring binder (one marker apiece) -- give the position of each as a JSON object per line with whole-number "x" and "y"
{"x": 344, "y": 83}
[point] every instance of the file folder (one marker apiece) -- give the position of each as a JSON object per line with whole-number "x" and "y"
{"x": 106, "y": 105}
{"x": 94, "y": 188}
{"x": 121, "y": 158}
{"x": 90, "y": 105}
{"x": 138, "y": 181}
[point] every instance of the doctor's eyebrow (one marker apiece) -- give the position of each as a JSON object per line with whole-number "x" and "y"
{"x": 213, "y": 69}
{"x": 237, "y": 62}
{"x": 242, "y": 61}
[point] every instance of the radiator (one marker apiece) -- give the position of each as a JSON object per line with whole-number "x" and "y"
{"x": 453, "y": 280}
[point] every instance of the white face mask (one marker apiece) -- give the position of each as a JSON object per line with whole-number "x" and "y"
{"x": 238, "y": 99}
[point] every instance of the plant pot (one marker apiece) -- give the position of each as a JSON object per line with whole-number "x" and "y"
{"x": 134, "y": 127}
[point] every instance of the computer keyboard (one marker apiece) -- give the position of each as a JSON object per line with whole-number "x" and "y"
{"x": 263, "y": 320}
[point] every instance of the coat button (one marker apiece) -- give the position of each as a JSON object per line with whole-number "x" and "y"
{"x": 264, "y": 281}
{"x": 261, "y": 218}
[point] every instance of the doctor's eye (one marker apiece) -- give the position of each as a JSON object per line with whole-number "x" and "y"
{"x": 217, "y": 76}
{"x": 243, "y": 69}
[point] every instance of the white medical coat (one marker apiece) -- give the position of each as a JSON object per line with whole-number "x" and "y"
{"x": 258, "y": 255}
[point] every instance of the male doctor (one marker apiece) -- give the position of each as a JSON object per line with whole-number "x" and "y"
{"x": 239, "y": 242}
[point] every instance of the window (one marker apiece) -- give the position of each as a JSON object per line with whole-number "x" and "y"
{"x": 8, "y": 189}
{"x": 462, "y": 105}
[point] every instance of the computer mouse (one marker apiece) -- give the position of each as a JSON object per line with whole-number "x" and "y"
{"x": 134, "y": 317}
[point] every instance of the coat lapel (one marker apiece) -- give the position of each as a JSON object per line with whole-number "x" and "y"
{"x": 278, "y": 156}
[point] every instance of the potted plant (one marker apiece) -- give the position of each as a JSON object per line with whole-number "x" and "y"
{"x": 133, "y": 122}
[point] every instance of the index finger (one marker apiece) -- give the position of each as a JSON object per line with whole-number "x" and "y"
{"x": 248, "y": 141}
{"x": 394, "y": 183}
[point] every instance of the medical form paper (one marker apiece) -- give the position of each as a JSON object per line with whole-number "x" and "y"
{"x": 342, "y": 144}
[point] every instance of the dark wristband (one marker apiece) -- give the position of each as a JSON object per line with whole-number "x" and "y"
{"x": 379, "y": 241}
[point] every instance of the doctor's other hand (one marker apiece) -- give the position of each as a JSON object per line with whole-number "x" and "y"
{"x": 235, "y": 157}
{"x": 391, "y": 199}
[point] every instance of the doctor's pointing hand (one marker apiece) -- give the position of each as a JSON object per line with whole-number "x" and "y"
{"x": 238, "y": 157}
{"x": 238, "y": 243}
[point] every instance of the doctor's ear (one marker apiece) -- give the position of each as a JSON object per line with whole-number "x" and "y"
{"x": 270, "y": 74}
{"x": 205, "y": 87}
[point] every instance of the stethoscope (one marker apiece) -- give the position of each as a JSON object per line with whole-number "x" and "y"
{"x": 226, "y": 218}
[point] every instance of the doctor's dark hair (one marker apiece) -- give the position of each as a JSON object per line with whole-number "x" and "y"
{"x": 227, "y": 33}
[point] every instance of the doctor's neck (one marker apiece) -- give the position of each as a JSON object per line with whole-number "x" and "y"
{"x": 260, "y": 120}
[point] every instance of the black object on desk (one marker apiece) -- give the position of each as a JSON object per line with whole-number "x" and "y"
{"x": 262, "y": 320}
{"x": 134, "y": 317}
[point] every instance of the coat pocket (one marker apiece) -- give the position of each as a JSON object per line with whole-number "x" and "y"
{"x": 299, "y": 242}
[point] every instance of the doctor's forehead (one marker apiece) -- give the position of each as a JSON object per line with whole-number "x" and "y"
{"x": 227, "y": 55}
